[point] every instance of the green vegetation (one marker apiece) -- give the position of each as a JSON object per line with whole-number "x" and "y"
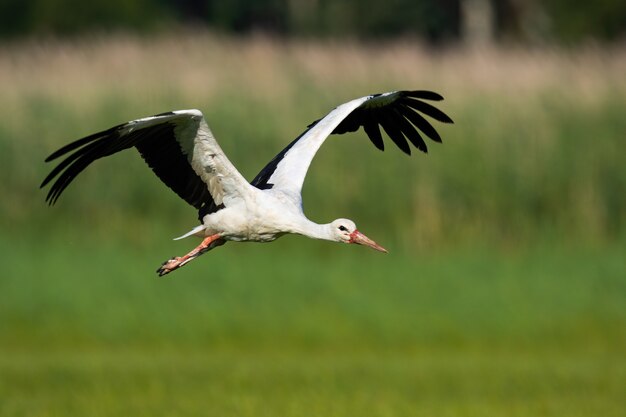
{"x": 431, "y": 20}
{"x": 503, "y": 292}
{"x": 88, "y": 330}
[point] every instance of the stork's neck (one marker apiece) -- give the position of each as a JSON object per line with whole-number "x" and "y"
{"x": 314, "y": 230}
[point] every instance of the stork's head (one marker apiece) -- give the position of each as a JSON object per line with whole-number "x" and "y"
{"x": 344, "y": 230}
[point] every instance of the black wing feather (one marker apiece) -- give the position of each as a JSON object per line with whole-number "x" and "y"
{"x": 419, "y": 122}
{"x": 373, "y": 133}
{"x": 399, "y": 119}
{"x": 164, "y": 156}
{"x": 75, "y": 164}
{"x": 352, "y": 122}
{"x": 390, "y": 124}
{"x": 427, "y": 109}
{"x": 409, "y": 131}
{"x": 67, "y": 161}
{"x": 156, "y": 144}
{"x": 424, "y": 95}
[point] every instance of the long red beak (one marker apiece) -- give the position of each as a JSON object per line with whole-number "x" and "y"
{"x": 360, "y": 239}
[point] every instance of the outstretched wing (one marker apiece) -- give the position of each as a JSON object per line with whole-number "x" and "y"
{"x": 397, "y": 112}
{"x": 178, "y": 146}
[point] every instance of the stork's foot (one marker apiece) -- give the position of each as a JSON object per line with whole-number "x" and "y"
{"x": 176, "y": 262}
{"x": 170, "y": 265}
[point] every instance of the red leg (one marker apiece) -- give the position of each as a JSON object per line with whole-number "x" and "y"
{"x": 207, "y": 244}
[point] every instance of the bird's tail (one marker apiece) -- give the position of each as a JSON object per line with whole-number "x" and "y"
{"x": 196, "y": 231}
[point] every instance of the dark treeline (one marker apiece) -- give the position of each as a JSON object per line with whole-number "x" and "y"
{"x": 432, "y": 20}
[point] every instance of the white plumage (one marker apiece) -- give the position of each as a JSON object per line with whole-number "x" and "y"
{"x": 183, "y": 153}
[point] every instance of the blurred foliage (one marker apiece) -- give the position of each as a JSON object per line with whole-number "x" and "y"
{"x": 602, "y": 19}
{"x": 65, "y": 17}
{"x": 431, "y": 20}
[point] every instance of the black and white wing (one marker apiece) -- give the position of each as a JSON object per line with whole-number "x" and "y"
{"x": 178, "y": 146}
{"x": 397, "y": 112}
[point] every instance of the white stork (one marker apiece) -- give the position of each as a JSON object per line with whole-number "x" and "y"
{"x": 182, "y": 152}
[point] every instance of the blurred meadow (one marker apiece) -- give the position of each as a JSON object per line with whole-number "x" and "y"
{"x": 504, "y": 292}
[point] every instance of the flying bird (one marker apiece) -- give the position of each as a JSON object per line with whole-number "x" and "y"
{"x": 181, "y": 150}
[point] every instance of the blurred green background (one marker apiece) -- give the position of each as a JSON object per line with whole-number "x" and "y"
{"x": 504, "y": 292}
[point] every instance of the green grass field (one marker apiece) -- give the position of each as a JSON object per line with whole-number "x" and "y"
{"x": 504, "y": 291}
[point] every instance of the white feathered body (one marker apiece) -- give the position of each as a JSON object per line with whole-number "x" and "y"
{"x": 260, "y": 216}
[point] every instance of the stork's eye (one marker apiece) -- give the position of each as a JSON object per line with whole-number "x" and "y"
{"x": 343, "y": 228}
